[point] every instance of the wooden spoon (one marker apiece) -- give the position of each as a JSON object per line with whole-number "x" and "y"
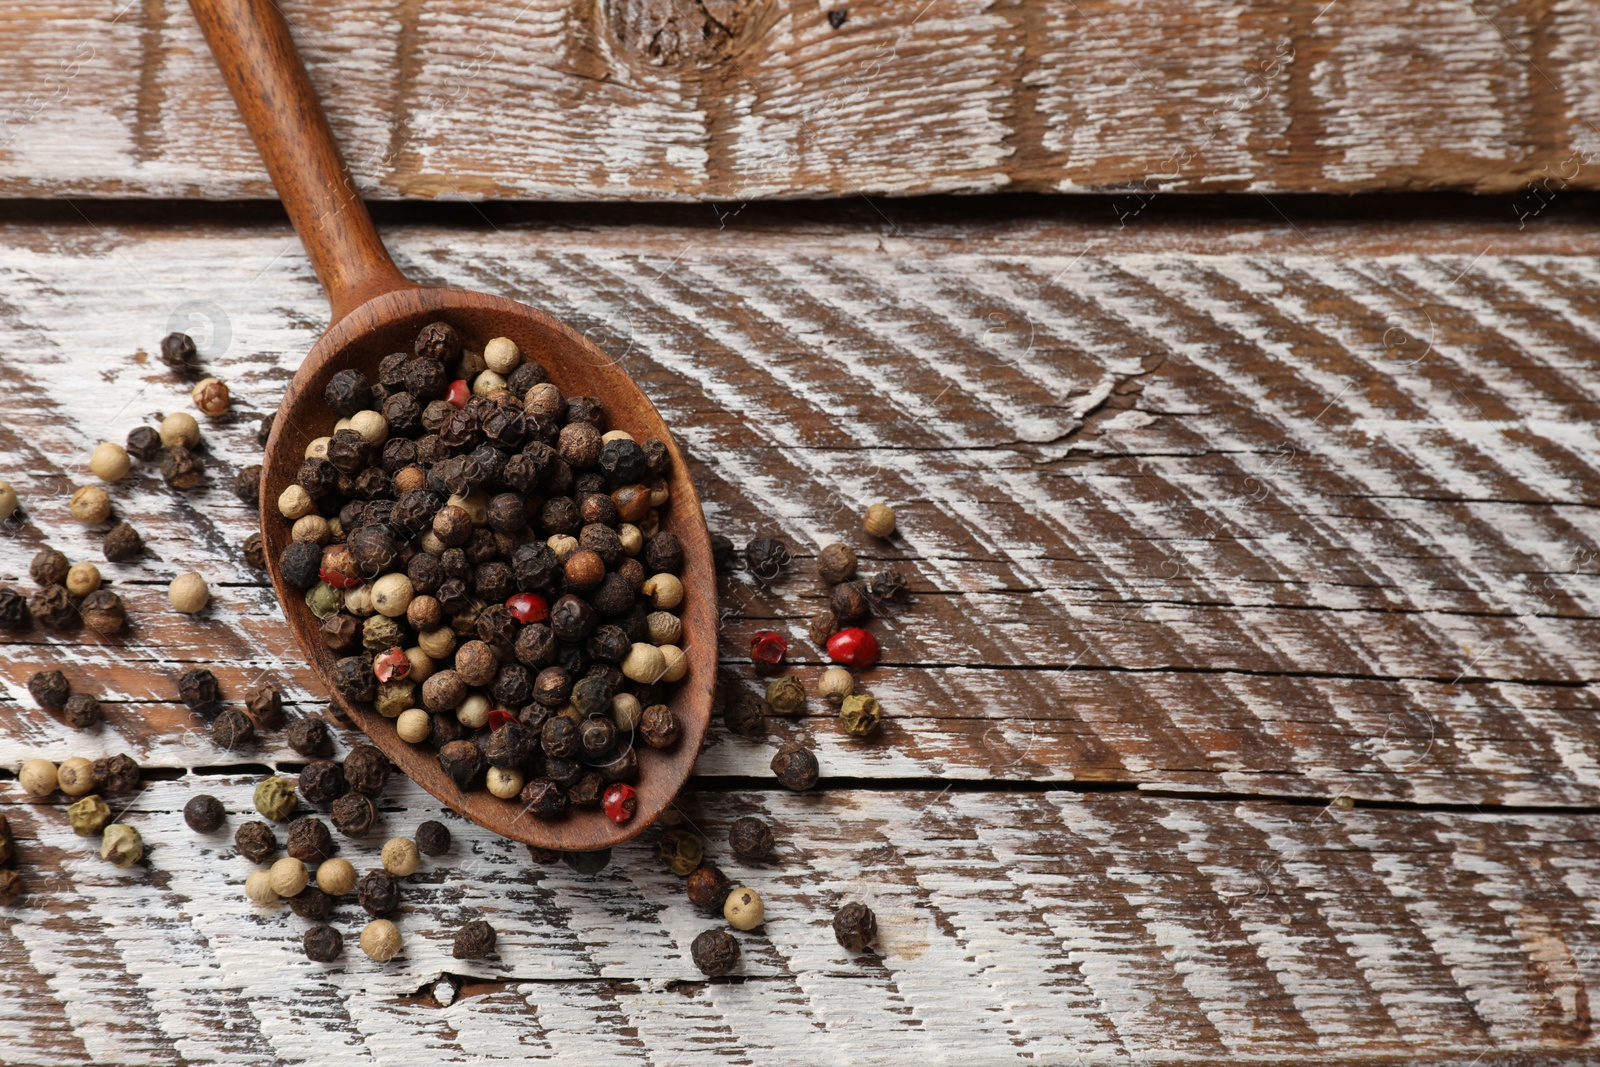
{"x": 375, "y": 311}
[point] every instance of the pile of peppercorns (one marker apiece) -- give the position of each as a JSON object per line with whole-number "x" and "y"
{"x": 487, "y": 560}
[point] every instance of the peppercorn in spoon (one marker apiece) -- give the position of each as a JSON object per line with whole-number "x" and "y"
{"x": 376, "y": 311}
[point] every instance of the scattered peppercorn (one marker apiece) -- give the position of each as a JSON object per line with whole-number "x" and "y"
{"x": 854, "y": 647}
{"x": 103, "y": 612}
{"x": 322, "y": 944}
{"x": 309, "y": 840}
{"x": 767, "y": 649}
{"x": 264, "y": 703}
{"x": 49, "y": 567}
{"x": 122, "y": 544}
{"x": 116, "y": 774}
{"x": 255, "y": 841}
{"x": 474, "y": 941}
{"x": 179, "y": 353}
{"x": 378, "y": 893}
{"x": 353, "y": 814}
{"x": 309, "y": 737}
{"x": 181, "y": 468}
{"x": 708, "y": 887}
{"x": 232, "y": 729}
{"x": 400, "y": 856}
{"x": 121, "y": 844}
{"x": 855, "y": 927}
{"x": 52, "y": 608}
{"x": 49, "y": 689}
{"x": 380, "y": 940}
{"x": 311, "y": 903}
{"x": 746, "y": 714}
{"x": 786, "y": 695}
{"x": 37, "y": 776}
{"x": 433, "y": 838}
{"x": 274, "y": 798}
{"x": 751, "y": 839}
{"x": 88, "y": 816}
{"x": 366, "y": 770}
{"x": 743, "y": 909}
{"x": 14, "y": 613}
{"x": 255, "y": 551}
{"x": 592, "y": 862}
{"x": 12, "y": 887}
{"x": 336, "y": 877}
{"x": 681, "y": 851}
{"x": 859, "y": 715}
{"x": 90, "y": 505}
{"x": 836, "y": 563}
{"x": 321, "y": 782}
{"x": 879, "y": 521}
{"x": 188, "y": 594}
{"x": 204, "y": 813}
{"x": 795, "y": 767}
{"x": 144, "y": 443}
{"x": 199, "y": 691}
{"x": 715, "y": 952}
{"x": 766, "y": 557}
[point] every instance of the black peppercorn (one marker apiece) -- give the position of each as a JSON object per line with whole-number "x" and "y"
{"x": 247, "y": 485}
{"x": 887, "y": 585}
{"x": 352, "y": 678}
{"x": 462, "y": 761}
{"x": 122, "y": 544}
{"x": 624, "y": 767}
{"x": 592, "y": 862}
{"x": 559, "y": 737}
{"x": 664, "y": 553}
{"x": 535, "y": 567}
{"x": 309, "y": 839}
{"x": 198, "y": 690}
{"x": 427, "y": 379}
{"x": 373, "y": 547}
{"x": 49, "y": 689}
{"x": 81, "y": 711}
{"x": 366, "y": 770}
{"x": 766, "y": 557}
{"x": 659, "y": 726}
{"x": 746, "y": 715}
{"x": 181, "y": 468}
{"x": 321, "y": 782}
{"x": 179, "y": 353}
{"x": 615, "y": 595}
{"x": 322, "y": 943}
{"x": 264, "y": 703}
{"x": 398, "y": 454}
{"x": 204, "y": 813}
{"x": 144, "y": 443}
{"x": 544, "y": 798}
{"x": 309, "y": 737}
{"x": 587, "y": 790}
{"x": 232, "y": 729}
{"x": 855, "y": 927}
{"x": 103, "y": 612}
{"x": 353, "y": 814}
{"x": 348, "y": 392}
{"x": 433, "y": 838}
{"x": 849, "y": 602}
{"x": 264, "y": 430}
{"x": 13, "y": 610}
{"x": 116, "y": 774}
{"x": 708, "y": 887}
{"x": 751, "y": 839}
{"x": 301, "y": 564}
{"x": 311, "y": 903}
{"x": 572, "y": 619}
{"x": 11, "y": 887}
{"x": 52, "y": 606}
{"x": 623, "y": 462}
{"x": 596, "y": 736}
{"x": 438, "y": 340}
{"x": 722, "y": 552}
{"x": 255, "y": 551}
{"x": 527, "y": 375}
{"x": 49, "y": 567}
{"x": 795, "y": 767}
{"x": 255, "y": 841}
{"x": 715, "y": 952}
{"x": 379, "y": 893}
{"x": 474, "y": 941}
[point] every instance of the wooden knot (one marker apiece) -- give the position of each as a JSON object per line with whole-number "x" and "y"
{"x": 674, "y": 33}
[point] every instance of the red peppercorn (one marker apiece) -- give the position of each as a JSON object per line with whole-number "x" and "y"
{"x": 620, "y": 802}
{"x": 768, "y": 647}
{"x": 391, "y": 665}
{"x": 528, "y": 607}
{"x": 498, "y": 717}
{"x": 338, "y": 580}
{"x": 854, "y": 647}
{"x": 458, "y": 393}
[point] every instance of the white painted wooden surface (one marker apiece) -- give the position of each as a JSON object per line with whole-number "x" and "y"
{"x": 1185, "y": 513}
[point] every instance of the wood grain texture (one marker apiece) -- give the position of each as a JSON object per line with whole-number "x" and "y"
{"x": 729, "y": 100}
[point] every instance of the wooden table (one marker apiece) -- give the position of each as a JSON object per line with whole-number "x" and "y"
{"x": 1244, "y": 708}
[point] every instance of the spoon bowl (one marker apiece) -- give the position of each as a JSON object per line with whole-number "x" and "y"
{"x": 376, "y": 311}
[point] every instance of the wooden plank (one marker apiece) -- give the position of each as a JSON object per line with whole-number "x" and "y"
{"x": 738, "y": 99}
{"x": 1023, "y": 927}
{"x": 1173, "y": 518}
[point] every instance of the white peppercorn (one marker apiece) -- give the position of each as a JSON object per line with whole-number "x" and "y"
{"x": 392, "y": 594}
{"x": 414, "y": 725}
{"x": 295, "y": 502}
{"x": 336, "y": 877}
{"x": 83, "y": 579}
{"x": 743, "y": 909}
{"x": 373, "y": 427}
{"x": 38, "y": 776}
{"x": 180, "y": 428}
{"x": 400, "y": 856}
{"x": 8, "y": 501}
{"x": 109, "y": 461}
{"x": 677, "y": 664}
{"x": 879, "y": 521}
{"x": 258, "y": 887}
{"x": 90, "y": 505}
{"x": 287, "y": 876}
{"x": 836, "y": 684}
{"x": 664, "y": 590}
{"x": 75, "y": 776}
{"x": 501, "y": 355}
{"x": 188, "y": 594}
{"x": 380, "y": 939}
{"x": 644, "y": 663}
{"x": 505, "y": 782}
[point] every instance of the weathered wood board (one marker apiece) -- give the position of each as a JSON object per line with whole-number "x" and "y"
{"x": 1242, "y": 516}
{"x": 729, "y": 100}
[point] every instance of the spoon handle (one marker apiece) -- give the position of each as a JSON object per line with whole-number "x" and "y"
{"x": 251, "y": 42}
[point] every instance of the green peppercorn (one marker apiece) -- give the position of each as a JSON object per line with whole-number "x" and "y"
{"x": 681, "y": 851}
{"x": 88, "y": 816}
{"x": 381, "y": 633}
{"x": 121, "y": 844}
{"x": 324, "y": 600}
{"x": 787, "y": 695}
{"x": 860, "y": 714}
{"x": 274, "y": 798}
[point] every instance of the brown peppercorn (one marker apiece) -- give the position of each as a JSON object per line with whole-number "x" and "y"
{"x": 632, "y": 503}
{"x": 49, "y": 567}
{"x": 746, "y": 715}
{"x": 116, "y": 774}
{"x": 366, "y": 770}
{"x": 122, "y": 544}
{"x": 13, "y": 610}
{"x": 855, "y": 927}
{"x": 474, "y": 941}
{"x": 715, "y": 952}
{"x": 849, "y": 602}
{"x": 708, "y": 887}
{"x": 204, "y": 813}
{"x": 584, "y": 569}
{"x": 52, "y": 608}
{"x": 247, "y": 485}
{"x": 144, "y": 443}
{"x": 462, "y": 761}
{"x": 888, "y": 584}
{"x": 751, "y": 839}
{"x": 544, "y": 798}
{"x": 353, "y": 814}
{"x": 255, "y": 841}
{"x": 340, "y": 631}
{"x": 476, "y": 663}
{"x": 322, "y": 782}
{"x": 309, "y": 840}
{"x": 659, "y": 726}
{"x": 379, "y": 893}
{"x": 311, "y": 903}
{"x": 199, "y": 691}
{"x": 232, "y": 729}
{"x": 264, "y": 703}
{"x": 433, "y": 838}
{"x": 103, "y": 612}
{"x": 836, "y": 563}
{"x": 795, "y": 767}
{"x": 255, "y": 551}
{"x": 49, "y": 689}
{"x": 179, "y": 353}
{"x": 181, "y": 468}
{"x": 452, "y": 525}
{"x": 309, "y": 737}
{"x": 443, "y": 691}
{"x": 322, "y": 944}
{"x": 81, "y": 711}
{"x": 11, "y": 887}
